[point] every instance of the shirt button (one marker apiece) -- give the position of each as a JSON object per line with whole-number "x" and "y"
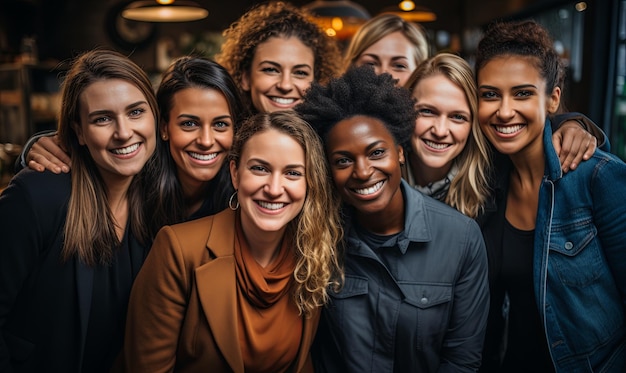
{"x": 568, "y": 245}
{"x": 424, "y": 300}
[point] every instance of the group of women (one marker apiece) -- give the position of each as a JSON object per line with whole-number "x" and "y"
{"x": 273, "y": 202}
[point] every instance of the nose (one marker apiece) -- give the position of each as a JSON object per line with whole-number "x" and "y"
{"x": 205, "y": 137}
{"x": 362, "y": 169}
{"x": 506, "y": 110}
{"x": 274, "y": 185}
{"x": 123, "y": 129}
{"x": 440, "y": 127}
{"x": 285, "y": 83}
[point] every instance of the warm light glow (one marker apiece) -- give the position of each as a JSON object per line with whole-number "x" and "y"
{"x": 407, "y": 5}
{"x": 152, "y": 11}
{"x": 336, "y": 23}
{"x": 165, "y": 2}
{"x": 581, "y": 6}
{"x": 331, "y": 32}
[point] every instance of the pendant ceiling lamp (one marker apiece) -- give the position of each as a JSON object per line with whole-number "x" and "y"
{"x": 164, "y": 11}
{"x": 338, "y": 18}
{"x": 410, "y": 12}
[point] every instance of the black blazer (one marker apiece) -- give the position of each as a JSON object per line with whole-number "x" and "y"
{"x": 46, "y": 303}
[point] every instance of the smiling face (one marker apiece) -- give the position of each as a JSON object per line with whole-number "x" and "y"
{"x": 270, "y": 182}
{"x": 200, "y": 133}
{"x": 393, "y": 54}
{"x": 513, "y": 104}
{"x": 281, "y": 70}
{"x": 365, "y": 165}
{"x": 441, "y": 129}
{"x": 118, "y": 128}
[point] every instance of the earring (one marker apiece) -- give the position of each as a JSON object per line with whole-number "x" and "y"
{"x": 233, "y": 202}
{"x": 164, "y": 137}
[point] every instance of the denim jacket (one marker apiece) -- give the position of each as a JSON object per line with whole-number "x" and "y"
{"x": 579, "y": 263}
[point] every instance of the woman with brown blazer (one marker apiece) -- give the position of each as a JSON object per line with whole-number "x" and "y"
{"x": 241, "y": 290}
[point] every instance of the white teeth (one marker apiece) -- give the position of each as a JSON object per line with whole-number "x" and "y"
{"x": 436, "y": 145}
{"x": 271, "y": 206}
{"x": 373, "y": 189}
{"x": 202, "y": 157}
{"x": 283, "y": 101}
{"x": 126, "y": 150}
{"x": 509, "y": 129}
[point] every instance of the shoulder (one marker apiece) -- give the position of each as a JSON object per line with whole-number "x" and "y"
{"x": 45, "y": 190}
{"x": 216, "y": 232}
{"x": 601, "y": 166}
{"x": 436, "y": 216}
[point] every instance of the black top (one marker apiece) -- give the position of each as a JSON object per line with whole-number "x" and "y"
{"x": 55, "y": 315}
{"x": 527, "y": 350}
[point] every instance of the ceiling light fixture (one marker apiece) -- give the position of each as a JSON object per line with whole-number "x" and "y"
{"x": 338, "y": 18}
{"x": 410, "y": 12}
{"x": 164, "y": 11}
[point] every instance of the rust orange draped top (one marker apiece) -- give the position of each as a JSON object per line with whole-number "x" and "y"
{"x": 270, "y": 328}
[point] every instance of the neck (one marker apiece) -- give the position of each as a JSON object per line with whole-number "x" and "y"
{"x": 424, "y": 175}
{"x": 193, "y": 197}
{"x": 117, "y": 194}
{"x": 264, "y": 246}
{"x": 388, "y": 221}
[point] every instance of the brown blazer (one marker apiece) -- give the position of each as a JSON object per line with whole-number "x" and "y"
{"x": 182, "y": 310}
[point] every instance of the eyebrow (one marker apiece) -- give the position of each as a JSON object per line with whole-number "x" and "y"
{"x": 128, "y": 107}
{"x": 266, "y": 163}
{"x": 484, "y": 86}
{"x": 195, "y": 117}
{"x": 299, "y": 66}
{"x": 369, "y": 147}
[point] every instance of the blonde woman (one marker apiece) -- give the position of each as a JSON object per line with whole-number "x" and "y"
{"x": 242, "y": 290}
{"x": 389, "y": 44}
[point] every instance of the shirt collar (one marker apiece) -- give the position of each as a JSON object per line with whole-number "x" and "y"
{"x": 416, "y": 223}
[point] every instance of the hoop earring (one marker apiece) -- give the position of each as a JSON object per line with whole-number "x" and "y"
{"x": 233, "y": 206}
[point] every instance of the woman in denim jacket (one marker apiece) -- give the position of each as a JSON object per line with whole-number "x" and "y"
{"x": 556, "y": 242}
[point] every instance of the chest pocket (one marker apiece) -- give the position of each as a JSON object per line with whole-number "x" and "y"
{"x": 426, "y": 295}
{"x": 575, "y": 253}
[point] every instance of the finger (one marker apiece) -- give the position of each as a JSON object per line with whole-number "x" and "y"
{"x": 593, "y": 145}
{"x": 46, "y": 163}
{"x": 33, "y": 165}
{"x": 556, "y": 140}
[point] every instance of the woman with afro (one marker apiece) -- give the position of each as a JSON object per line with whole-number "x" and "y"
{"x": 415, "y": 297}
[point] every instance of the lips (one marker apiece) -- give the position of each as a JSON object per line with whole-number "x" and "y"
{"x": 369, "y": 190}
{"x": 125, "y": 150}
{"x": 271, "y": 205}
{"x": 436, "y": 145}
{"x": 508, "y": 130}
{"x": 283, "y": 100}
{"x": 202, "y": 157}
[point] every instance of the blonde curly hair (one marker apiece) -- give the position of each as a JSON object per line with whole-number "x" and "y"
{"x": 317, "y": 230}
{"x": 277, "y": 19}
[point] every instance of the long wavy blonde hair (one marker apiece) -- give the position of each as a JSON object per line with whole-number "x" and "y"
{"x": 317, "y": 228}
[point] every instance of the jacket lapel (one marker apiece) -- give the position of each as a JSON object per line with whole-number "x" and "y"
{"x": 216, "y": 284}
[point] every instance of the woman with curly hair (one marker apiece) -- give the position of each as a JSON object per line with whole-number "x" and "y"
{"x": 274, "y": 52}
{"x": 415, "y": 297}
{"x": 242, "y": 290}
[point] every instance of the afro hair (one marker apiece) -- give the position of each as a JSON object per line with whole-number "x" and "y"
{"x": 360, "y": 91}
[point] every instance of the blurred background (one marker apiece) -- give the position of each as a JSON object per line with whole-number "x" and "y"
{"x": 37, "y": 37}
